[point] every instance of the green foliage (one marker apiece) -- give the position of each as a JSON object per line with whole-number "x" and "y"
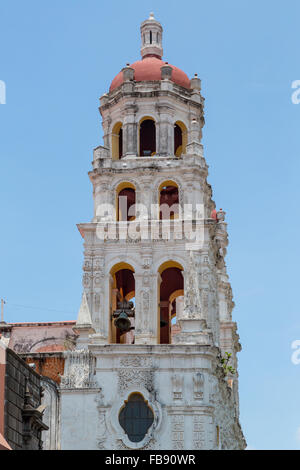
{"x": 224, "y": 361}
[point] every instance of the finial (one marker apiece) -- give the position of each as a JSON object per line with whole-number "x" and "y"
{"x": 151, "y": 17}
{"x": 221, "y": 215}
{"x": 2, "y": 311}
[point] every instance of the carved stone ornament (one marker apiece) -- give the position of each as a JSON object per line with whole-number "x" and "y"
{"x": 177, "y": 431}
{"x": 79, "y": 370}
{"x": 146, "y": 263}
{"x": 86, "y": 280}
{"x": 198, "y": 380}
{"x": 135, "y": 377}
{"x": 192, "y": 305}
{"x": 177, "y": 386}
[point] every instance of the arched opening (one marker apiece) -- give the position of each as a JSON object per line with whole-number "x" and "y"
{"x": 122, "y": 295}
{"x": 117, "y": 141}
{"x": 176, "y": 307}
{"x": 147, "y": 137}
{"x": 171, "y": 288}
{"x": 125, "y": 203}
{"x": 168, "y": 201}
{"x": 180, "y": 138}
{"x": 136, "y": 417}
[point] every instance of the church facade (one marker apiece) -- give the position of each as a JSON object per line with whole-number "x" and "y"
{"x": 155, "y": 361}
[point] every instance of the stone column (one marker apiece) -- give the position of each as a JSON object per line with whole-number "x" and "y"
{"x": 98, "y": 286}
{"x": 130, "y": 132}
{"x": 165, "y": 131}
{"x": 145, "y": 312}
{"x": 144, "y": 196}
{"x": 103, "y": 330}
{"x": 102, "y": 200}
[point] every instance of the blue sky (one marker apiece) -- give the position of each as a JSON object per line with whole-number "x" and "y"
{"x": 57, "y": 58}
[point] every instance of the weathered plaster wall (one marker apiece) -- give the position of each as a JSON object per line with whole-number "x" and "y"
{"x": 41, "y": 337}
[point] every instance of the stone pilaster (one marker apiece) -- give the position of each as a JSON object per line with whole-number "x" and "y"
{"x": 165, "y": 131}
{"x": 130, "y": 132}
{"x": 145, "y": 318}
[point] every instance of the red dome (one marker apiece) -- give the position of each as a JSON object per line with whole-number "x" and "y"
{"x": 149, "y": 69}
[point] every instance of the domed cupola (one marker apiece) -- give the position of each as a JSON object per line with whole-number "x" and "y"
{"x": 152, "y": 109}
{"x": 150, "y": 67}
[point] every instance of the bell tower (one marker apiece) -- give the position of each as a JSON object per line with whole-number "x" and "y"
{"x": 155, "y": 331}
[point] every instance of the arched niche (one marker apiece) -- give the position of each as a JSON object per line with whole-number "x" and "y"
{"x": 117, "y": 141}
{"x": 147, "y": 137}
{"x": 176, "y": 303}
{"x": 125, "y": 201}
{"x": 168, "y": 198}
{"x": 180, "y": 138}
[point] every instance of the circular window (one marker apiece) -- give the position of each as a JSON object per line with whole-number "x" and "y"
{"x": 136, "y": 417}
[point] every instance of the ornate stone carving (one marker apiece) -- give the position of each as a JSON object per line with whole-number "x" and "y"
{"x": 198, "y": 380}
{"x": 96, "y": 302}
{"x": 87, "y": 265}
{"x": 136, "y": 361}
{"x": 145, "y": 301}
{"x": 98, "y": 264}
{"x": 198, "y": 432}
{"x": 192, "y": 305}
{"x": 79, "y": 370}
{"x": 151, "y": 445}
{"x": 146, "y": 264}
{"x": 135, "y": 377}
{"x": 86, "y": 280}
{"x": 177, "y": 431}
{"x": 204, "y": 299}
{"x": 98, "y": 276}
{"x": 101, "y": 428}
{"x": 177, "y": 386}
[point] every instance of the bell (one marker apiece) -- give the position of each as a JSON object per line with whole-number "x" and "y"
{"x": 123, "y": 322}
{"x": 163, "y": 322}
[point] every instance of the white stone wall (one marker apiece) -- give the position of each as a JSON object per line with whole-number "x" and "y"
{"x": 188, "y": 399}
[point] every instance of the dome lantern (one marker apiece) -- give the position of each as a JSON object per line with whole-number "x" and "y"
{"x": 151, "y": 37}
